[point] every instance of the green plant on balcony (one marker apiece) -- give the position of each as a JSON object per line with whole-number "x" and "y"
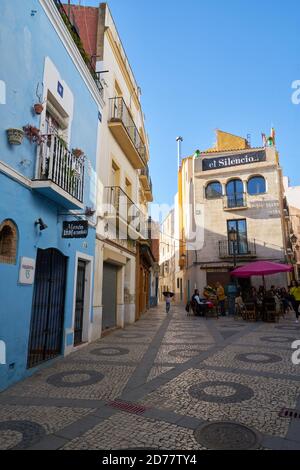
{"x": 75, "y": 37}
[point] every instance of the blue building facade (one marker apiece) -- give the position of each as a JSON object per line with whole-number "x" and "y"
{"x": 46, "y": 286}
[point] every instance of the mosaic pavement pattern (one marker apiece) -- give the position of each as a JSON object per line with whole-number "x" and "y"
{"x": 199, "y": 384}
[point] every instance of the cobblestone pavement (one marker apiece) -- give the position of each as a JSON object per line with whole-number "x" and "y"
{"x": 167, "y": 382}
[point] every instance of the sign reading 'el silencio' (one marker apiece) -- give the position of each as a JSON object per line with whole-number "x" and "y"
{"x": 233, "y": 160}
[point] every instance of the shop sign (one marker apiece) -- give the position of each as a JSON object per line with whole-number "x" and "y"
{"x": 228, "y": 161}
{"x": 75, "y": 229}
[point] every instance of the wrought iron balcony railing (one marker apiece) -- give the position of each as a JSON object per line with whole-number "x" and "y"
{"x": 57, "y": 164}
{"x": 119, "y": 205}
{"x": 235, "y": 201}
{"x": 246, "y": 248}
{"x": 120, "y": 113}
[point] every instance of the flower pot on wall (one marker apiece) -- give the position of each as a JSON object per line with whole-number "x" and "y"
{"x": 38, "y": 108}
{"x": 77, "y": 153}
{"x": 15, "y": 136}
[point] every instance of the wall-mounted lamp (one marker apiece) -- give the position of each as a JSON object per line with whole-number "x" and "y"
{"x": 41, "y": 224}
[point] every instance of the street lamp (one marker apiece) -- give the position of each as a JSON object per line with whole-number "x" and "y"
{"x": 233, "y": 239}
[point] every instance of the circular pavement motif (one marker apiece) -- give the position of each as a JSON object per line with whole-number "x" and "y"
{"x": 69, "y": 379}
{"x": 288, "y": 328}
{"x": 227, "y": 436}
{"x": 189, "y": 336}
{"x": 258, "y": 358}
{"x": 110, "y": 351}
{"x": 130, "y": 335}
{"x": 31, "y": 433}
{"x": 277, "y": 339}
{"x": 185, "y": 353}
{"x": 231, "y": 326}
{"x": 214, "y": 392}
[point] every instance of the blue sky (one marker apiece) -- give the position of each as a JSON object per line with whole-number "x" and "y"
{"x": 206, "y": 64}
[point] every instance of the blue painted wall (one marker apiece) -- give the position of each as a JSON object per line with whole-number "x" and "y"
{"x": 26, "y": 38}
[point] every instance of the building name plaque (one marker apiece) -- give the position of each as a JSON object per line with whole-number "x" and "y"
{"x": 233, "y": 160}
{"x": 75, "y": 229}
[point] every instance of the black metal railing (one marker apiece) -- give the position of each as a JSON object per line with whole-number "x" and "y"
{"x": 63, "y": 10}
{"x": 235, "y": 200}
{"x": 56, "y": 163}
{"x": 228, "y": 249}
{"x": 120, "y": 112}
{"x": 119, "y": 204}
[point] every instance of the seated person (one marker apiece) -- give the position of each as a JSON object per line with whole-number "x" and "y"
{"x": 199, "y": 305}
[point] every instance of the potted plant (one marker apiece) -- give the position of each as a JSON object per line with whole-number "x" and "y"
{"x": 33, "y": 134}
{"x": 15, "y": 136}
{"x": 77, "y": 152}
{"x": 89, "y": 211}
{"x": 39, "y": 106}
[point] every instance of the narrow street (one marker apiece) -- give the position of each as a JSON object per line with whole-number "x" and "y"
{"x": 174, "y": 374}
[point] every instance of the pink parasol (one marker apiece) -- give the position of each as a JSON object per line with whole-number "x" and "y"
{"x": 261, "y": 268}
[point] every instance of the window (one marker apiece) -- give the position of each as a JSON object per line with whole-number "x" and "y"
{"x": 234, "y": 187}
{"x": 115, "y": 174}
{"x": 256, "y": 185}
{"x": 128, "y": 187}
{"x": 56, "y": 119}
{"x": 235, "y": 193}
{"x": 241, "y": 244}
{"x": 213, "y": 190}
{"x": 178, "y": 283}
{"x": 8, "y": 242}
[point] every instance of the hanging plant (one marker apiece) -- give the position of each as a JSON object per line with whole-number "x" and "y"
{"x": 39, "y": 106}
{"x": 33, "y": 134}
{"x": 77, "y": 153}
{"x": 15, "y": 136}
{"x": 89, "y": 211}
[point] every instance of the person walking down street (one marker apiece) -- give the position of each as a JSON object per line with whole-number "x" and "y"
{"x": 221, "y": 298}
{"x": 295, "y": 293}
{"x": 168, "y": 302}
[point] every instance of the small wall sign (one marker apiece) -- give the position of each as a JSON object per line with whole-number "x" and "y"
{"x": 75, "y": 229}
{"x": 60, "y": 89}
{"x": 27, "y": 270}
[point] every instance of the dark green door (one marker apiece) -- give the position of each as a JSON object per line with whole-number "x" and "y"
{"x": 109, "y": 296}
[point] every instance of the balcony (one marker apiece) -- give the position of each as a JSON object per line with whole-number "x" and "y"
{"x": 146, "y": 183}
{"x": 59, "y": 174}
{"x": 243, "y": 249}
{"x": 124, "y": 214}
{"x": 126, "y": 133}
{"x": 236, "y": 201}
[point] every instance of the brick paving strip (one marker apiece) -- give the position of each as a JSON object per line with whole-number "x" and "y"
{"x": 137, "y": 388}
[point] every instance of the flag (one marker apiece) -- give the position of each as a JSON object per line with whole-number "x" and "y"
{"x": 273, "y": 134}
{"x": 264, "y": 139}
